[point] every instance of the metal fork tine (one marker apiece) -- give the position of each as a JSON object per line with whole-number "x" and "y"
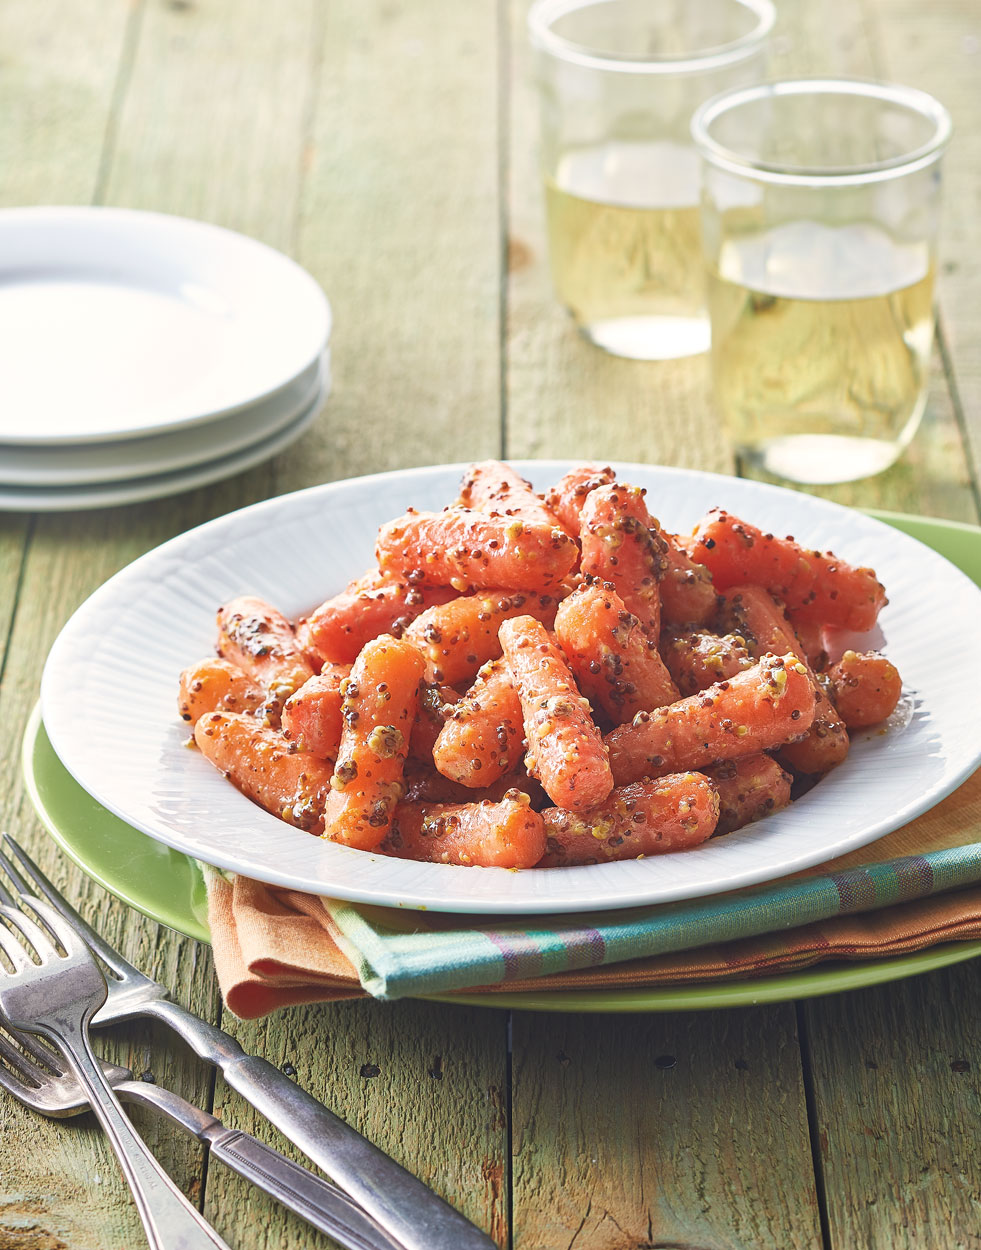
{"x": 57, "y": 925}
{"x": 45, "y": 1055}
{"x": 36, "y": 1066}
{"x": 20, "y": 885}
{"x": 34, "y": 934}
{"x": 14, "y": 1059}
{"x": 43, "y": 886}
{"x": 14, "y": 950}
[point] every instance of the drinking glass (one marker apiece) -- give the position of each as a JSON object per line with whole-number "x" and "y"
{"x": 820, "y": 210}
{"x": 619, "y": 81}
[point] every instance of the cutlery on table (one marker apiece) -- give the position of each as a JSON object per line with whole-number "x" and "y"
{"x": 37, "y": 1076}
{"x": 57, "y": 996}
{"x": 414, "y": 1216}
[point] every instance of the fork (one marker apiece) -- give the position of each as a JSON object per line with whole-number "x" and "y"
{"x": 57, "y": 997}
{"x": 37, "y": 1076}
{"x": 395, "y": 1199}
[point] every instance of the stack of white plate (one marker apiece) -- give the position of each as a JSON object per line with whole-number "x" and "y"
{"x": 142, "y": 355}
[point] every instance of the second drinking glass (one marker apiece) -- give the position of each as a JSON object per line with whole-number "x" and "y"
{"x": 820, "y": 210}
{"x": 619, "y": 81}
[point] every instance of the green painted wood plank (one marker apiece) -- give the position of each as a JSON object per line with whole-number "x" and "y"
{"x": 60, "y": 70}
{"x": 897, "y": 1095}
{"x": 675, "y": 1130}
{"x": 213, "y": 121}
{"x": 400, "y": 224}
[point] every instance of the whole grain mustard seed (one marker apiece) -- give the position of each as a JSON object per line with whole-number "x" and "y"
{"x": 386, "y": 741}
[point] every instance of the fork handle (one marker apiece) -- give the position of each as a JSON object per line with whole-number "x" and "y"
{"x": 414, "y": 1216}
{"x": 169, "y": 1220}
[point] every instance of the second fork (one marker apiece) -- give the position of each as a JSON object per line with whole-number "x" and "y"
{"x": 57, "y": 998}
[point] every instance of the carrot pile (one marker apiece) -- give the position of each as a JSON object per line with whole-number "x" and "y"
{"x": 550, "y": 680}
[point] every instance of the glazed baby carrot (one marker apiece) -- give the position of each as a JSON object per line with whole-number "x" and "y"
{"x": 752, "y": 611}
{"x": 508, "y": 834}
{"x": 492, "y": 486}
{"x": 312, "y": 716}
{"x": 697, "y": 658}
{"x": 620, "y": 546}
{"x": 688, "y": 594}
{"x": 380, "y": 701}
{"x": 565, "y": 749}
{"x": 672, "y": 813}
{"x": 814, "y": 584}
{"x": 482, "y": 737}
{"x": 456, "y": 638}
{"x": 567, "y": 496}
{"x": 616, "y": 665}
{"x": 259, "y": 640}
{"x": 216, "y": 686}
{"x": 748, "y": 790}
{"x": 759, "y": 709}
{"x": 374, "y": 604}
{"x": 463, "y": 548}
{"x": 290, "y": 784}
{"x": 866, "y": 688}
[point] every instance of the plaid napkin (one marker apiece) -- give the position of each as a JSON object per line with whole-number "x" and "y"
{"x": 914, "y": 888}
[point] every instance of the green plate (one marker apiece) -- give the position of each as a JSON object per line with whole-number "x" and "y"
{"x": 167, "y": 886}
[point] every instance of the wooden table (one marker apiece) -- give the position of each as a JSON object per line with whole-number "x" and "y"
{"x": 389, "y": 146}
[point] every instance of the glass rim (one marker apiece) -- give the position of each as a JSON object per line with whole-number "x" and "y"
{"x": 911, "y": 98}
{"x": 544, "y": 13}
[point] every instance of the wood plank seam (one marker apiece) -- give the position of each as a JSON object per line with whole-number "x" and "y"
{"x": 318, "y": 39}
{"x": 318, "y": 35}
{"x": 957, "y": 406}
{"x": 509, "y": 1133}
{"x": 873, "y": 43}
{"x": 18, "y": 589}
{"x": 202, "y": 1192}
{"x": 124, "y": 76}
{"x": 504, "y": 215}
{"x": 813, "y": 1125}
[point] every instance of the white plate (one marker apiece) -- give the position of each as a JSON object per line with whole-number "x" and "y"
{"x": 116, "y": 323}
{"x": 119, "y": 657}
{"x": 63, "y": 464}
{"x": 159, "y": 485}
